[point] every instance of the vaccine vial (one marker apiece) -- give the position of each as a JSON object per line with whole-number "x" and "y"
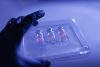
{"x": 62, "y": 34}
{"x": 39, "y": 37}
{"x": 50, "y": 35}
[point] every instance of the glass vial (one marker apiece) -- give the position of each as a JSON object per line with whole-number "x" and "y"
{"x": 50, "y": 35}
{"x": 39, "y": 37}
{"x": 62, "y": 34}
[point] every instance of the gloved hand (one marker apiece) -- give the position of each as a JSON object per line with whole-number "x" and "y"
{"x": 11, "y": 36}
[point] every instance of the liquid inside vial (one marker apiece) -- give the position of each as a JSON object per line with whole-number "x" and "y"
{"x": 39, "y": 37}
{"x": 50, "y": 35}
{"x": 62, "y": 34}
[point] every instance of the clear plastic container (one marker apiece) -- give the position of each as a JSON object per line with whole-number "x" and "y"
{"x": 54, "y": 39}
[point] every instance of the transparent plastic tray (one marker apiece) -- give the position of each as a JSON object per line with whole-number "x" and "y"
{"x": 54, "y": 39}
